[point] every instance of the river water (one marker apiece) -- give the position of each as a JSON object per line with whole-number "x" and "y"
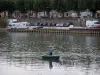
{"x": 20, "y": 54}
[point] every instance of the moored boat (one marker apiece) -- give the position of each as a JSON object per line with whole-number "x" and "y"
{"x": 93, "y": 24}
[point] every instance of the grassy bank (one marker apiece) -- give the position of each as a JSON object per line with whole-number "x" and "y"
{"x": 3, "y": 22}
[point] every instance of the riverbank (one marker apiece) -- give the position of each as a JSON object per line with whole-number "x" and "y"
{"x": 79, "y": 26}
{"x": 3, "y": 22}
{"x": 75, "y": 30}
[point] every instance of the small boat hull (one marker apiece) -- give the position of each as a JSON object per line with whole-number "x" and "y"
{"x": 53, "y": 58}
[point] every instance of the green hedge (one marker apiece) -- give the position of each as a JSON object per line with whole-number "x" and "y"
{"x": 3, "y": 23}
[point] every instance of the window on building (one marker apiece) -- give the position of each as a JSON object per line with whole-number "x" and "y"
{"x": 60, "y": 14}
{"x": 97, "y": 23}
{"x": 16, "y": 14}
{"x": 66, "y": 14}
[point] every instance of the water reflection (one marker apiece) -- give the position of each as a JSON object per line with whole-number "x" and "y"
{"x": 50, "y": 65}
{"x": 20, "y": 53}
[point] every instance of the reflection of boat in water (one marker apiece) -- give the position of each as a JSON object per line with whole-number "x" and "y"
{"x": 50, "y": 65}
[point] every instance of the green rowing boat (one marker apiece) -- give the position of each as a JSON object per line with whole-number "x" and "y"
{"x": 54, "y": 58}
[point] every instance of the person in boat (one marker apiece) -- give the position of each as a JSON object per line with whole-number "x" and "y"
{"x": 50, "y": 52}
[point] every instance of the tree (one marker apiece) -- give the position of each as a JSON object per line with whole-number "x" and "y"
{"x": 48, "y": 5}
{"x": 10, "y": 7}
{"x": 60, "y": 6}
{"x": 2, "y": 5}
{"x": 20, "y": 5}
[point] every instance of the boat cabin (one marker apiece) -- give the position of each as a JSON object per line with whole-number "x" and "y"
{"x": 93, "y": 24}
{"x": 11, "y": 21}
{"x": 18, "y": 25}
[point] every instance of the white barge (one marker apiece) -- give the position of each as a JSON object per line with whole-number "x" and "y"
{"x": 13, "y": 23}
{"x": 92, "y": 24}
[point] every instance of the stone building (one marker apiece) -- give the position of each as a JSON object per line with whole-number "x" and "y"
{"x": 70, "y": 14}
{"x": 3, "y": 14}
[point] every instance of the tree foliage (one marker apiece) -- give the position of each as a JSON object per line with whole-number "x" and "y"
{"x": 47, "y": 5}
{"x": 60, "y": 5}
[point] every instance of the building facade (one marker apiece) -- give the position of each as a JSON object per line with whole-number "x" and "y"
{"x": 52, "y": 14}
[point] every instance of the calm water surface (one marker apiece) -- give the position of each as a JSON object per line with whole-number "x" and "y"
{"x": 20, "y": 54}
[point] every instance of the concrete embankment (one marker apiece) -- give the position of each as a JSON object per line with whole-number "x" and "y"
{"x": 74, "y": 30}
{"x": 76, "y": 21}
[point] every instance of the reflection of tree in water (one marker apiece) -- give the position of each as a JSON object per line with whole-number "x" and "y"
{"x": 83, "y": 61}
{"x": 88, "y": 64}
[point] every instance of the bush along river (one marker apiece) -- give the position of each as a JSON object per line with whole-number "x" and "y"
{"x": 21, "y": 54}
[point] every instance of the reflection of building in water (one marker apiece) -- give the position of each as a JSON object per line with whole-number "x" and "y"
{"x": 91, "y": 41}
{"x": 71, "y": 38}
{"x": 18, "y": 36}
{"x": 91, "y": 44}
